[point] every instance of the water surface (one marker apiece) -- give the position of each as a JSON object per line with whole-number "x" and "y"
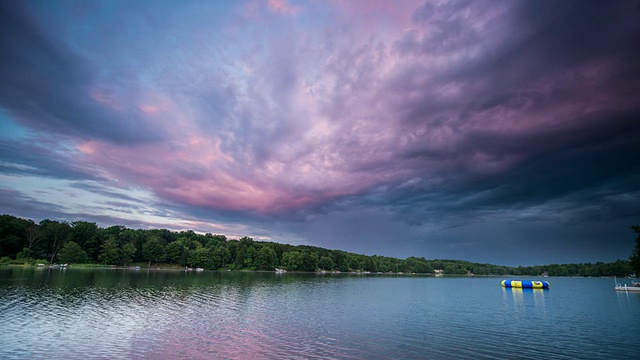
{"x": 77, "y": 313}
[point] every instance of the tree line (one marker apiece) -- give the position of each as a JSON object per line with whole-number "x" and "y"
{"x": 81, "y": 242}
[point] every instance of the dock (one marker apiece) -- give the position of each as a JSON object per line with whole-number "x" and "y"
{"x": 627, "y": 288}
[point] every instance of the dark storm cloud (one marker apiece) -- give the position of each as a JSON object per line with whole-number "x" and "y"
{"x": 403, "y": 128}
{"x": 560, "y": 55}
{"x": 588, "y": 162}
{"x": 47, "y": 86}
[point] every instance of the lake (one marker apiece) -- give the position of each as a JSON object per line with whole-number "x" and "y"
{"x": 128, "y": 314}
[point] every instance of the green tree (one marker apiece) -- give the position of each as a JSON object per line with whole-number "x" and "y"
{"x": 127, "y": 252}
{"x": 309, "y": 261}
{"x": 200, "y": 257}
{"x": 153, "y": 250}
{"x": 354, "y": 264}
{"x": 26, "y": 253}
{"x": 292, "y": 260}
{"x": 266, "y": 259}
{"x": 213, "y": 241}
{"x": 112, "y": 231}
{"x": 240, "y": 251}
{"x": 340, "y": 258}
{"x": 54, "y": 235}
{"x": 249, "y": 258}
{"x": 71, "y": 252}
{"x": 109, "y": 252}
{"x": 232, "y": 246}
{"x": 33, "y": 234}
{"x": 13, "y": 235}
{"x": 174, "y": 251}
{"x": 86, "y": 234}
{"x": 221, "y": 256}
{"x": 369, "y": 265}
{"x": 326, "y": 263}
{"x": 454, "y": 268}
{"x": 133, "y": 237}
{"x": 635, "y": 255}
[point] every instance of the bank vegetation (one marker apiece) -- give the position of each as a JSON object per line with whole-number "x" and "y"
{"x": 23, "y": 241}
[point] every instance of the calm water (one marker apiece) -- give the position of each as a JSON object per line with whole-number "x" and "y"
{"x": 76, "y": 314}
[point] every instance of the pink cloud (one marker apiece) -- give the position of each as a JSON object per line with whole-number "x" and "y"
{"x": 259, "y": 10}
{"x": 316, "y": 117}
{"x": 376, "y": 17}
{"x": 88, "y": 147}
{"x": 149, "y": 109}
{"x": 105, "y": 99}
{"x": 283, "y": 7}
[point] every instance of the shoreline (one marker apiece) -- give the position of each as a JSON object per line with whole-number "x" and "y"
{"x": 168, "y": 267}
{"x": 176, "y": 269}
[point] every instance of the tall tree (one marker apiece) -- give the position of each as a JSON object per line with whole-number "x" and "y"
{"x": 250, "y": 257}
{"x": 174, "y": 251}
{"x": 71, "y": 252}
{"x": 154, "y": 249}
{"x": 354, "y": 264}
{"x": 55, "y": 234}
{"x": 221, "y": 256}
{"x": 86, "y": 234}
{"x": 326, "y": 263}
{"x": 266, "y": 259}
{"x": 12, "y": 234}
{"x": 33, "y": 234}
{"x": 635, "y": 256}
{"x": 128, "y": 251}
{"x": 292, "y": 260}
{"x": 110, "y": 252}
{"x": 201, "y": 257}
{"x": 309, "y": 261}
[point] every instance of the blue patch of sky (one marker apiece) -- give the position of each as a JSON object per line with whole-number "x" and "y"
{"x": 10, "y": 129}
{"x": 314, "y": 17}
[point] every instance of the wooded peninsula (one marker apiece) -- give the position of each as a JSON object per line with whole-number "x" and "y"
{"x": 24, "y": 242}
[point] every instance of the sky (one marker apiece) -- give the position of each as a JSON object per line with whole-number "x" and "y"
{"x": 499, "y": 131}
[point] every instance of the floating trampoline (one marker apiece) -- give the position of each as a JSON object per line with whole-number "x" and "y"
{"x": 525, "y": 284}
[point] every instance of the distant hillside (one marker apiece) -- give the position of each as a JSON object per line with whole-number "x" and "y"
{"x": 24, "y": 241}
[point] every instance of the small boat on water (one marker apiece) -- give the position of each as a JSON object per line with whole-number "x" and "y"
{"x": 280, "y": 271}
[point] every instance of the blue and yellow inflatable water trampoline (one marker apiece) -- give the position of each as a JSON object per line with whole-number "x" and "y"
{"x": 525, "y": 284}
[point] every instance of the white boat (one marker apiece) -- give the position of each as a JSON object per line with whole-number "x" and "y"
{"x": 280, "y": 271}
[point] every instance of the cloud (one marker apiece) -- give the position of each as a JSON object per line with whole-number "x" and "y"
{"x": 27, "y": 206}
{"x": 282, "y": 6}
{"x": 50, "y": 87}
{"x": 428, "y": 114}
{"x": 44, "y": 157}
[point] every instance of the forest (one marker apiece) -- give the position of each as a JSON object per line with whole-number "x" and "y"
{"x": 22, "y": 241}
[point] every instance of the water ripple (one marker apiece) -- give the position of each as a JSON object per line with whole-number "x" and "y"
{"x": 140, "y": 315}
